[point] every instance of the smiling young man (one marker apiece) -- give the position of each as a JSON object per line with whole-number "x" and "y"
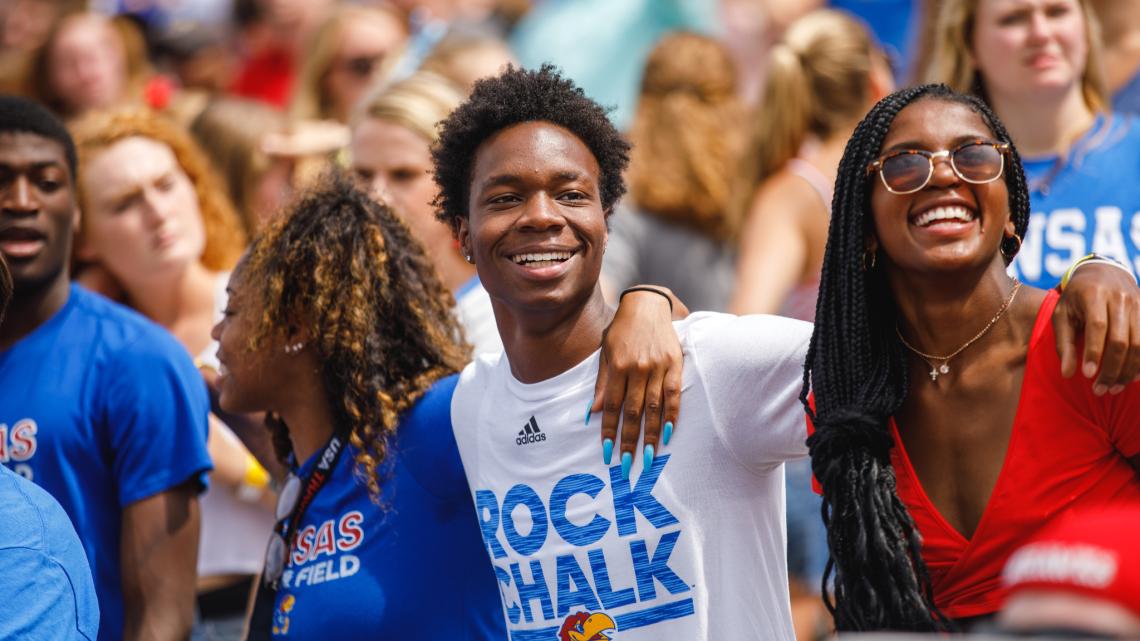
{"x": 98, "y": 406}
{"x": 691, "y": 544}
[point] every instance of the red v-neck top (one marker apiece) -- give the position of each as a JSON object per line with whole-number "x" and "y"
{"x": 1068, "y": 449}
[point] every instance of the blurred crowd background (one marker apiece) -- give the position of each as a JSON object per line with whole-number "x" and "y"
{"x": 218, "y": 111}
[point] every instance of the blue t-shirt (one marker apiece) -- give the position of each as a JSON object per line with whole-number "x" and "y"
{"x": 412, "y": 567}
{"x": 46, "y": 582}
{"x": 895, "y": 25}
{"x": 1088, "y": 203}
{"x": 102, "y": 408}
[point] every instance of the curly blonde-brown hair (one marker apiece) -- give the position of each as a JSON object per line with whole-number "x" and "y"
{"x": 686, "y": 134}
{"x": 347, "y": 271}
{"x": 225, "y": 238}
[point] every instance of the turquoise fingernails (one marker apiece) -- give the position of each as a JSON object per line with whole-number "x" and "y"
{"x": 648, "y": 457}
{"x": 668, "y": 432}
{"x": 589, "y": 410}
{"x": 607, "y": 450}
{"x": 626, "y": 463}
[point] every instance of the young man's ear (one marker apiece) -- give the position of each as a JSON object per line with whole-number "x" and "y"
{"x": 462, "y": 231}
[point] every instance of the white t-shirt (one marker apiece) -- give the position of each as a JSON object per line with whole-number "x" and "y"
{"x": 695, "y": 548}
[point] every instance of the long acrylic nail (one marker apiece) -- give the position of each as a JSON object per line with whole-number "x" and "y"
{"x": 648, "y": 456}
{"x": 1116, "y": 389}
{"x": 1099, "y": 389}
{"x": 626, "y": 463}
{"x": 1090, "y": 369}
{"x": 607, "y": 450}
{"x": 668, "y": 433}
{"x": 589, "y": 410}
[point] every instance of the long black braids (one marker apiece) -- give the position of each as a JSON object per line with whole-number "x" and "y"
{"x": 856, "y": 371}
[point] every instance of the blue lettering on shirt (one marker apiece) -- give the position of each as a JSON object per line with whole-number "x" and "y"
{"x": 1090, "y": 204}
{"x": 409, "y": 566}
{"x": 546, "y": 590}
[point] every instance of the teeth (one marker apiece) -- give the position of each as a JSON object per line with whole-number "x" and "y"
{"x": 540, "y": 258}
{"x": 222, "y": 369}
{"x": 943, "y": 213}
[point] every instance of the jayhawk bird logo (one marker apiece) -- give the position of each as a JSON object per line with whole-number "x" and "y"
{"x": 583, "y": 626}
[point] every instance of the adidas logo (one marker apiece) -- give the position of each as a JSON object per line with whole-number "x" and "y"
{"x": 530, "y": 433}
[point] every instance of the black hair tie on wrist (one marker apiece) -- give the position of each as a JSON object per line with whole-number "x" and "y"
{"x": 643, "y": 288}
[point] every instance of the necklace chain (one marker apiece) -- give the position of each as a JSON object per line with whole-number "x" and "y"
{"x": 944, "y": 368}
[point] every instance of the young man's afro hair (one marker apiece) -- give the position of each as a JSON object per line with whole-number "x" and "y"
{"x": 513, "y": 97}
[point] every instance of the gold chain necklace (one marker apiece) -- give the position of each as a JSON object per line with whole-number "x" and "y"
{"x": 944, "y": 368}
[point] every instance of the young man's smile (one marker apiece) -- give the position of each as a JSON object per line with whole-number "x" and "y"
{"x": 537, "y": 227}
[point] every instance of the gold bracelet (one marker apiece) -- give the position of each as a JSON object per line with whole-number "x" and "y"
{"x": 1093, "y": 258}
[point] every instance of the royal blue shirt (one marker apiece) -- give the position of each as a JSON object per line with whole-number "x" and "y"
{"x": 46, "y": 582}
{"x": 102, "y": 408}
{"x": 1087, "y": 202}
{"x": 412, "y": 567}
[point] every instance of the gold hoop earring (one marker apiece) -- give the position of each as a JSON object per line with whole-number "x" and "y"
{"x": 874, "y": 256}
{"x": 1011, "y": 253}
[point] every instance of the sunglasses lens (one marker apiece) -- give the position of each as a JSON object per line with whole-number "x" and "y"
{"x": 361, "y": 66}
{"x": 978, "y": 163}
{"x": 287, "y": 499}
{"x": 275, "y": 556}
{"x": 905, "y": 172}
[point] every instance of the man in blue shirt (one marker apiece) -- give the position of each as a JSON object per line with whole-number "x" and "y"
{"x": 98, "y": 406}
{"x": 46, "y": 580}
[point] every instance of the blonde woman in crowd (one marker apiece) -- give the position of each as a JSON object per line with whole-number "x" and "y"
{"x": 157, "y": 226}
{"x": 679, "y": 228}
{"x": 91, "y": 61}
{"x": 1038, "y": 64}
{"x": 343, "y": 57}
{"x": 391, "y": 159}
{"x": 822, "y": 77}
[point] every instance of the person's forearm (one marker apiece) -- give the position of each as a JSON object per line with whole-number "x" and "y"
{"x": 165, "y": 620}
{"x": 159, "y": 556}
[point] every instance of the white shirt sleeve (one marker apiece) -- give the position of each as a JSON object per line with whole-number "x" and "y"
{"x": 752, "y": 370}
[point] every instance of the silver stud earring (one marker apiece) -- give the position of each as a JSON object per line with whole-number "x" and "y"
{"x": 293, "y": 349}
{"x": 467, "y": 257}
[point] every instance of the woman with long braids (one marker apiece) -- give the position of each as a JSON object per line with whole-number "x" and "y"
{"x": 945, "y": 435}
{"x": 338, "y": 325}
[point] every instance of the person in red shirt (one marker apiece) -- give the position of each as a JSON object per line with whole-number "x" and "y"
{"x": 1078, "y": 578}
{"x": 945, "y": 433}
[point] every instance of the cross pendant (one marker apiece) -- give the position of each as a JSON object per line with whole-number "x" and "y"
{"x": 933, "y": 374}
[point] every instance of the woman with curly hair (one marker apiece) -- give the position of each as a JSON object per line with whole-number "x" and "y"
{"x": 338, "y": 325}
{"x": 158, "y": 234}
{"x": 679, "y": 227}
{"x": 945, "y": 433}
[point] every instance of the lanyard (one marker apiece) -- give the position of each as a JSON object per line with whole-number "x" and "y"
{"x": 316, "y": 480}
{"x": 265, "y": 600}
